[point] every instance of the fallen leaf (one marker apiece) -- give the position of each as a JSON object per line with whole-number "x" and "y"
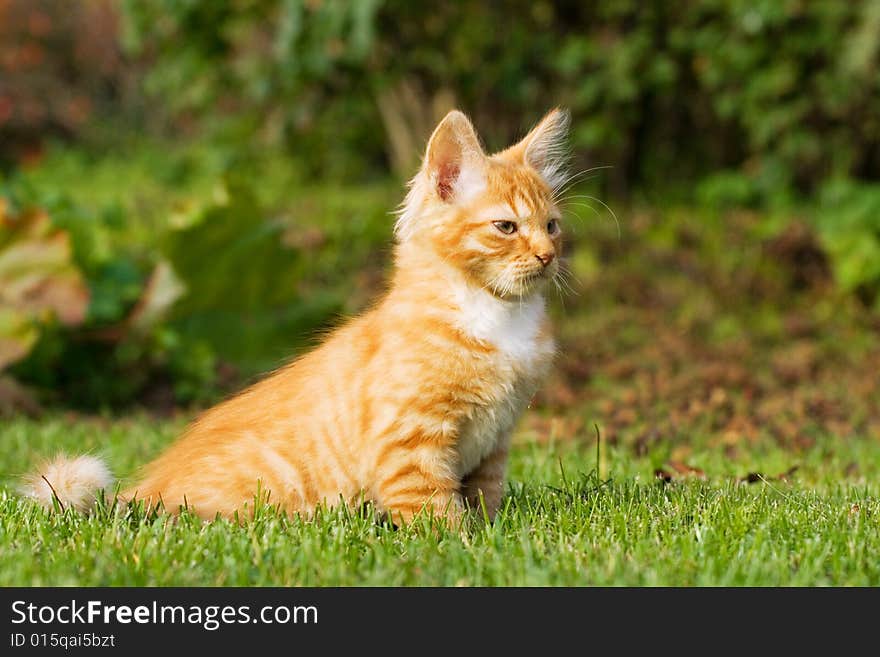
{"x": 685, "y": 470}
{"x": 784, "y": 476}
{"x": 754, "y": 477}
{"x": 38, "y": 281}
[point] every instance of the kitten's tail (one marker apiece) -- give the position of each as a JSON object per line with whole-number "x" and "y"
{"x": 73, "y": 482}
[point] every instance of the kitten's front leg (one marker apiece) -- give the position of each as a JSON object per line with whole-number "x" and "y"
{"x": 414, "y": 477}
{"x": 488, "y": 479}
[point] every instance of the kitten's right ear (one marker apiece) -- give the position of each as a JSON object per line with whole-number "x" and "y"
{"x": 454, "y": 159}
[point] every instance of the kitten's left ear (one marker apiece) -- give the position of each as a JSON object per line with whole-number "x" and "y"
{"x": 453, "y": 171}
{"x": 545, "y": 147}
{"x": 454, "y": 159}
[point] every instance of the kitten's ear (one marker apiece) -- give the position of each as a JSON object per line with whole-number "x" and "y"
{"x": 454, "y": 159}
{"x": 545, "y": 147}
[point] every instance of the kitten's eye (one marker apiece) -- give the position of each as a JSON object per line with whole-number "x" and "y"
{"x": 506, "y": 227}
{"x": 553, "y": 226}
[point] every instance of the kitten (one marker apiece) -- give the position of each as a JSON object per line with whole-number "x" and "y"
{"x": 411, "y": 404}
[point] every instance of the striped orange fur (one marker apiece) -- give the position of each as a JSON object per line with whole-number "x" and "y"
{"x": 411, "y": 404}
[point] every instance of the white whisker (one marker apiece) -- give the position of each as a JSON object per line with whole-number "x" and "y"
{"x": 604, "y": 205}
{"x": 576, "y": 178}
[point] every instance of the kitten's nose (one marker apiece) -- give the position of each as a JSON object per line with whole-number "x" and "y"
{"x": 545, "y": 258}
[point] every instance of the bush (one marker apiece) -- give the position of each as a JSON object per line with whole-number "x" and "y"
{"x": 781, "y": 92}
{"x": 81, "y": 320}
{"x": 784, "y": 92}
{"x": 193, "y": 283}
{"x": 849, "y": 218}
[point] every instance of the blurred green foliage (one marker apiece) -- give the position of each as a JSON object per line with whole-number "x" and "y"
{"x": 849, "y": 219}
{"x": 196, "y": 281}
{"x": 785, "y": 91}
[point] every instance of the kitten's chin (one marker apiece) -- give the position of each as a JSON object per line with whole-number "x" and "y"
{"x": 527, "y": 287}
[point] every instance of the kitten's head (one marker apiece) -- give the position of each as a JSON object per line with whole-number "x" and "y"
{"x": 493, "y": 217}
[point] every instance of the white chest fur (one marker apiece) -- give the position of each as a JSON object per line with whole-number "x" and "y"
{"x": 522, "y": 353}
{"x": 512, "y": 327}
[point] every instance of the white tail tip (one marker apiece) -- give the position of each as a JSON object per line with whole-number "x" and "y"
{"x": 72, "y": 481}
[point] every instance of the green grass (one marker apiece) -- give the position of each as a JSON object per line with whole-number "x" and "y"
{"x": 560, "y": 524}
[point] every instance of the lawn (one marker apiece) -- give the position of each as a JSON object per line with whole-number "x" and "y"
{"x": 560, "y": 525}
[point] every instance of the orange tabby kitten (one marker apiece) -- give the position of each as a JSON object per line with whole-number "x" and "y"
{"x": 411, "y": 405}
